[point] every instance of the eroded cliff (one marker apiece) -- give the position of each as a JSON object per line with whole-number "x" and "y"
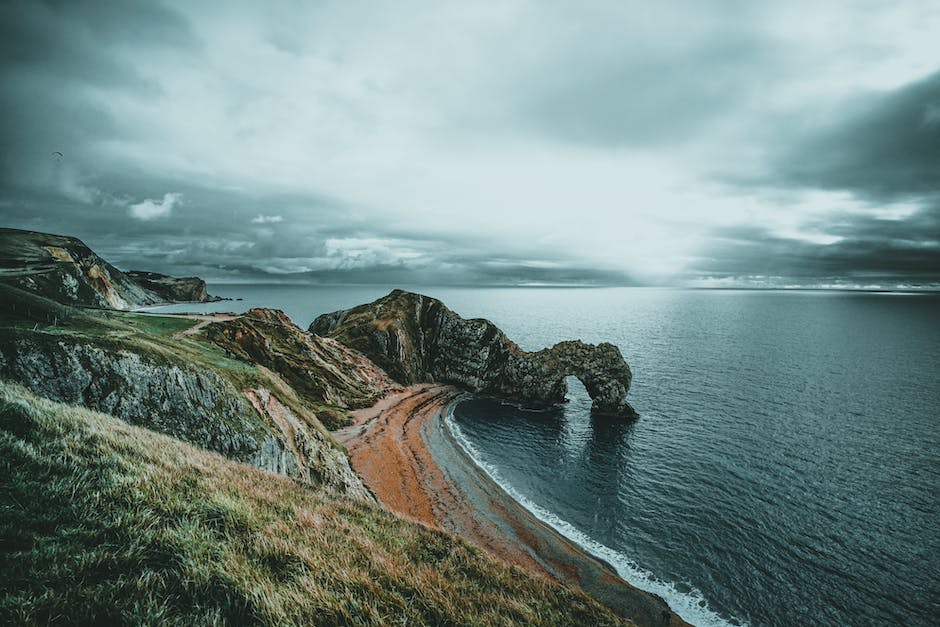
{"x": 415, "y": 338}
{"x": 320, "y": 369}
{"x": 139, "y": 369}
{"x": 67, "y": 271}
{"x": 185, "y": 289}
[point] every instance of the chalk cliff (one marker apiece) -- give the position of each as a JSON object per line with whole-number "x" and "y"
{"x": 67, "y": 271}
{"x": 415, "y": 338}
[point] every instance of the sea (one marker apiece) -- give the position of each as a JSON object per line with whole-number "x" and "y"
{"x": 785, "y": 468}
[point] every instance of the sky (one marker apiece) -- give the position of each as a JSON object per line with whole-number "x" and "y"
{"x": 723, "y": 143}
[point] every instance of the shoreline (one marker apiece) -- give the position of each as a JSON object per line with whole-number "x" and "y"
{"x": 408, "y": 458}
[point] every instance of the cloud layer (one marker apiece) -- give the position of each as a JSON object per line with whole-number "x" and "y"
{"x": 151, "y": 209}
{"x": 510, "y": 142}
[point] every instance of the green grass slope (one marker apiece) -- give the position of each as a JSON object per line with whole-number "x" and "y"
{"x": 138, "y": 368}
{"x": 102, "y": 522}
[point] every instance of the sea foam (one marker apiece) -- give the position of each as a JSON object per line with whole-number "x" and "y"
{"x": 691, "y": 606}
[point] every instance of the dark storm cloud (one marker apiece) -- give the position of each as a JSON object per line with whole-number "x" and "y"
{"x": 61, "y": 64}
{"x": 870, "y": 249}
{"x": 71, "y": 42}
{"x": 57, "y": 60}
{"x": 284, "y": 254}
{"x": 404, "y": 274}
{"x": 884, "y": 146}
{"x": 882, "y": 152}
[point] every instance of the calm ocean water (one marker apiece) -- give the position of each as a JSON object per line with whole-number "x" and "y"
{"x": 786, "y": 466}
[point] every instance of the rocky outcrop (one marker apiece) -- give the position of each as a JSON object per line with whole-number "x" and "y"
{"x": 195, "y": 405}
{"x": 320, "y": 369}
{"x": 415, "y": 338}
{"x": 65, "y": 270}
{"x": 172, "y": 289}
{"x": 320, "y": 463}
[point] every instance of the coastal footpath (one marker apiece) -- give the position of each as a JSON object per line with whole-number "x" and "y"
{"x": 175, "y": 430}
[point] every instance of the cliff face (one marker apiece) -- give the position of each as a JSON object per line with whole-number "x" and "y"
{"x": 415, "y": 338}
{"x": 197, "y": 407}
{"x": 171, "y": 396}
{"x": 187, "y": 289}
{"x": 320, "y": 369}
{"x": 65, "y": 270}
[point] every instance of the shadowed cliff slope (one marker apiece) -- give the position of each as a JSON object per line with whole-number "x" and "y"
{"x": 415, "y": 338}
{"x": 320, "y": 369}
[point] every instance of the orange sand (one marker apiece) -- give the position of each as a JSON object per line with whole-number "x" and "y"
{"x": 403, "y": 455}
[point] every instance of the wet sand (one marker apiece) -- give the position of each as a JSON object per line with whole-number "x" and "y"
{"x": 407, "y": 457}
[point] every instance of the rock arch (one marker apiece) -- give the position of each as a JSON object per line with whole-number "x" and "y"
{"x": 601, "y": 369}
{"x": 415, "y": 338}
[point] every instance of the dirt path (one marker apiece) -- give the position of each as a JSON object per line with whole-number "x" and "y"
{"x": 204, "y": 319}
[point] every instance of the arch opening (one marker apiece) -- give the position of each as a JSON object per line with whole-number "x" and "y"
{"x": 575, "y": 392}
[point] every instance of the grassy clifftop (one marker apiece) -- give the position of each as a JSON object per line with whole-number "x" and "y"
{"x": 66, "y": 270}
{"x": 152, "y": 372}
{"x": 103, "y": 522}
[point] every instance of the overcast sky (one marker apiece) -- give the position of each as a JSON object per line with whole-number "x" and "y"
{"x": 778, "y": 142}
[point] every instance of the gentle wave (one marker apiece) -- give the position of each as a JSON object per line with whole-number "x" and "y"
{"x": 691, "y": 606}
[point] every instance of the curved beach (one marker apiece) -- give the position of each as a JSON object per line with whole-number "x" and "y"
{"x": 411, "y": 462}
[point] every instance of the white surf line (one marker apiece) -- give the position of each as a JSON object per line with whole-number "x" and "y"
{"x": 691, "y": 606}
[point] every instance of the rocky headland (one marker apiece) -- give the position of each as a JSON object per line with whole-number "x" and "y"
{"x": 172, "y": 289}
{"x": 323, "y": 371}
{"x": 417, "y": 339}
{"x": 67, "y": 271}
